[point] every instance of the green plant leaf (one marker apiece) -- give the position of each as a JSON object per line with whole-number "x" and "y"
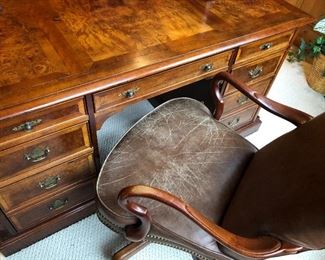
{"x": 320, "y": 40}
{"x": 316, "y": 50}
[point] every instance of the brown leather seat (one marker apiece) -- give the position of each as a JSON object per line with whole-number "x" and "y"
{"x": 180, "y": 148}
{"x": 193, "y": 156}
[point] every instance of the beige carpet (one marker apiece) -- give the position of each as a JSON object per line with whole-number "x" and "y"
{"x": 89, "y": 239}
{"x": 290, "y": 88}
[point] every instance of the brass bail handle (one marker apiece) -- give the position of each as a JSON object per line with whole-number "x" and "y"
{"x": 242, "y": 100}
{"x": 256, "y": 72}
{"x": 129, "y": 93}
{"x": 58, "y": 204}
{"x": 207, "y": 67}
{"x": 266, "y": 46}
{"x": 27, "y": 126}
{"x": 37, "y": 155}
{"x": 233, "y": 122}
{"x": 49, "y": 182}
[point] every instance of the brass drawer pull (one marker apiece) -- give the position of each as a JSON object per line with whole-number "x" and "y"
{"x": 129, "y": 93}
{"x": 38, "y": 154}
{"x": 207, "y": 67}
{"x": 256, "y": 72}
{"x": 27, "y": 126}
{"x": 49, "y": 182}
{"x": 242, "y": 100}
{"x": 233, "y": 122}
{"x": 58, "y": 204}
{"x": 266, "y": 46}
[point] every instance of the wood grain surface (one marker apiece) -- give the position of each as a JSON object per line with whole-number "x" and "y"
{"x": 67, "y": 64}
{"x": 58, "y": 46}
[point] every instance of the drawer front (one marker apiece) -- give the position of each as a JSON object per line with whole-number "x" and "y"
{"x": 264, "y": 46}
{"x": 258, "y": 70}
{"x": 47, "y": 182}
{"x": 239, "y": 119}
{"x": 49, "y": 208}
{"x": 42, "y": 151}
{"x": 31, "y": 125}
{"x": 237, "y": 100}
{"x": 161, "y": 82}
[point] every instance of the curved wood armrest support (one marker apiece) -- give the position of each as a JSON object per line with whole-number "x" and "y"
{"x": 217, "y": 97}
{"x": 259, "y": 247}
{"x": 292, "y": 115}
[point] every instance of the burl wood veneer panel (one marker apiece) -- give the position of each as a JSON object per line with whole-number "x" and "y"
{"x": 60, "y": 45}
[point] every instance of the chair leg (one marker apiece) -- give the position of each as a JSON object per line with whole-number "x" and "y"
{"x": 130, "y": 250}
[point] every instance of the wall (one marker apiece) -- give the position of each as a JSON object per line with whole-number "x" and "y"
{"x": 316, "y": 8}
{"x": 297, "y": 3}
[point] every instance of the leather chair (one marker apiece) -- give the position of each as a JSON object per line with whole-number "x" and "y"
{"x": 179, "y": 177}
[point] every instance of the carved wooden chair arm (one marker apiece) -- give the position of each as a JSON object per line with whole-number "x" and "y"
{"x": 292, "y": 115}
{"x": 259, "y": 247}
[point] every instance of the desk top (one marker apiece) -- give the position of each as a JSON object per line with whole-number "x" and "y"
{"x": 66, "y": 48}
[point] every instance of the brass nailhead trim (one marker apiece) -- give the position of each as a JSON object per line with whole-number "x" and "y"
{"x": 156, "y": 239}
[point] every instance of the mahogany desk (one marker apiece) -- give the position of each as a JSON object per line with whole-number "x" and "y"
{"x": 66, "y": 66}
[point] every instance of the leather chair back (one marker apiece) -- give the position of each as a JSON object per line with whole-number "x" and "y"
{"x": 282, "y": 191}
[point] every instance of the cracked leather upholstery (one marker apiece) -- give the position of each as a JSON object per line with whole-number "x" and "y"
{"x": 182, "y": 149}
{"x": 282, "y": 191}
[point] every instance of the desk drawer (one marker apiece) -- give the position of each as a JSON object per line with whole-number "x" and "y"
{"x": 42, "y": 152}
{"x": 31, "y": 125}
{"x": 47, "y": 182}
{"x": 237, "y": 100}
{"x": 239, "y": 119}
{"x": 161, "y": 82}
{"x": 258, "y": 70}
{"x": 264, "y": 46}
{"x": 49, "y": 208}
